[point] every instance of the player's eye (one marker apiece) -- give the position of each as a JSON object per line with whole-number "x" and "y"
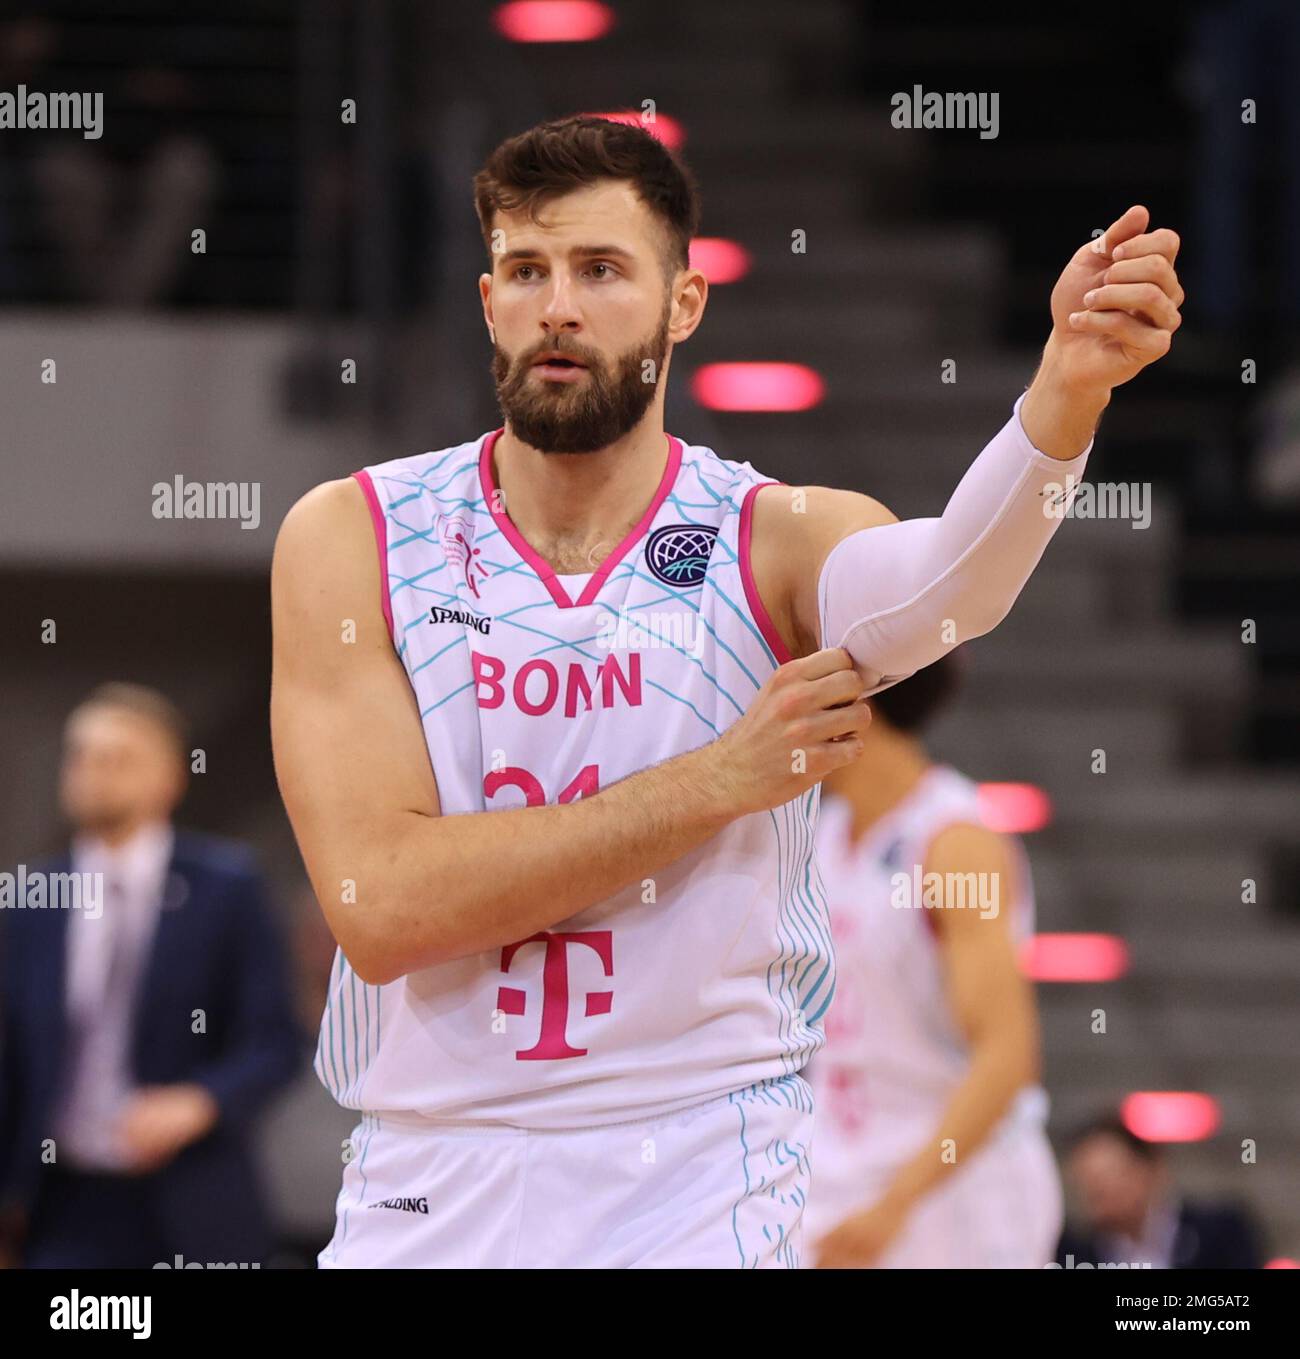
{"x": 600, "y": 264}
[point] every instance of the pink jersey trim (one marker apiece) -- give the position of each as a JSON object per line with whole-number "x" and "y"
{"x": 380, "y": 526}
{"x": 543, "y": 569}
{"x": 770, "y": 634}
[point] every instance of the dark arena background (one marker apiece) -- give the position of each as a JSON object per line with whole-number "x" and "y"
{"x": 264, "y": 272}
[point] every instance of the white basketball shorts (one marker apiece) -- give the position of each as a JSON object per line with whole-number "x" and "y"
{"x": 721, "y": 1185}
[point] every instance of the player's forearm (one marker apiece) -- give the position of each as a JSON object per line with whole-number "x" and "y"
{"x": 1060, "y": 418}
{"x": 457, "y": 885}
{"x": 999, "y": 1069}
{"x": 899, "y": 596}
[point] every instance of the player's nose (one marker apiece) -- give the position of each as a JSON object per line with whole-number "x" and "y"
{"x": 561, "y": 307}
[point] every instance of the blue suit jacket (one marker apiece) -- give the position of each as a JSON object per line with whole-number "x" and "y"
{"x": 1208, "y": 1236}
{"x": 216, "y": 949}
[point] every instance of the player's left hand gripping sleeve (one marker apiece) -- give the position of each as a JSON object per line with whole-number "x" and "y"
{"x": 899, "y": 596}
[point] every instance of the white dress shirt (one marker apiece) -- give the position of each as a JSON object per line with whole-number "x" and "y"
{"x": 97, "y": 1075}
{"x": 1154, "y": 1245}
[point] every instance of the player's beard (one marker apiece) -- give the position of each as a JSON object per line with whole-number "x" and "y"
{"x": 581, "y": 416}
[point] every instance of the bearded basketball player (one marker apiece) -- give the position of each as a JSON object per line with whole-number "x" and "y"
{"x": 550, "y": 709}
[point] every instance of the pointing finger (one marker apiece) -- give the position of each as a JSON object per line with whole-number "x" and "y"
{"x": 1123, "y": 228}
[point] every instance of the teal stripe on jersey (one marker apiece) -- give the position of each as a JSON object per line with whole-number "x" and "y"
{"x": 335, "y": 1085}
{"x": 779, "y": 964}
{"x": 763, "y": 1168}
{"x": 817, "y": 977}
{"x": 804, "y": 970}
{"x": 743, "y": 614}
{"x": 369, "y": 1126}
{"x": 694, "y": 466}
{"x": 367, "y": 1030}
{"x": 459, "y": 640}
{"x": 398, "y": 583}
{"x": 356, "y": 1041}
{"x": 808, "y": 895}
{"x": 446, "y": 698}
{"x": 735, "y": 1207}
{"x": 347, "y": 1043}
{"x": 749, "y": 675}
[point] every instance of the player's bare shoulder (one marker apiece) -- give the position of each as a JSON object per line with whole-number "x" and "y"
{"x": 333, "y": 513}
{"x": 965, "y": 851}
{"x": 326, "y": 564}
{"x": 793, "y": 531}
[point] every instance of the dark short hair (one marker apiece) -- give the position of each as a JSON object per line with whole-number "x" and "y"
{"x": 143, "y": 702}
{"x": 531, "y": 169}
{"x": 1111, "y": 1125}
{"x": 913, "y": 703}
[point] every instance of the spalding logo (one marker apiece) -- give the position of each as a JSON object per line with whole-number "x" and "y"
{"x": 678, "y": 554}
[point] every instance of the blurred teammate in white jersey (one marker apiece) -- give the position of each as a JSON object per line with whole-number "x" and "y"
{"x": 930, "y": 1149}
{"x": 550, "y": 710}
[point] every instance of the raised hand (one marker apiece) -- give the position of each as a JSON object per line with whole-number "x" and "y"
{"x": 1115, "y": 308}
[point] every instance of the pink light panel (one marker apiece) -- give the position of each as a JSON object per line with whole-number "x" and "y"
{"x": 1074, "y": 957}
{"x": 553, "y": 20}
{"x": 757, "y": 387}
{"x": 1170, "y": 1115}
{"x": 718, "y": 259}
{"x": 1014, "y": 808}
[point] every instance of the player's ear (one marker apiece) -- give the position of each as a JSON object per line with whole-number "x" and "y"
{"x": 485, "y": 296}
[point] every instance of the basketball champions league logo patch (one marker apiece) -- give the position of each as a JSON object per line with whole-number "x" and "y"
{"x": 678, "y": 554}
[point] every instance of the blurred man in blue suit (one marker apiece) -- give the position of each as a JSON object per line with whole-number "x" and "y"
{"x": 146, "y": 1018}
{"x": 1136, "y": 1216}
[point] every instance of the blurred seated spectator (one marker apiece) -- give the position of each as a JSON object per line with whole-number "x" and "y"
{"x": 1135, "y": 1215}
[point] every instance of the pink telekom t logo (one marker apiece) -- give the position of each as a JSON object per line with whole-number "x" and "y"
{"x": 552, "y": 1042}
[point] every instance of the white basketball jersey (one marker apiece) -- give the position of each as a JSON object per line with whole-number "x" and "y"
{"x": 711, "y": 976}
{"x": 894, "y": 1052}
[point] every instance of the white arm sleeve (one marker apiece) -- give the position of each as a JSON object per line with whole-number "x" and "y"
{"x": 897, "y": 597}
